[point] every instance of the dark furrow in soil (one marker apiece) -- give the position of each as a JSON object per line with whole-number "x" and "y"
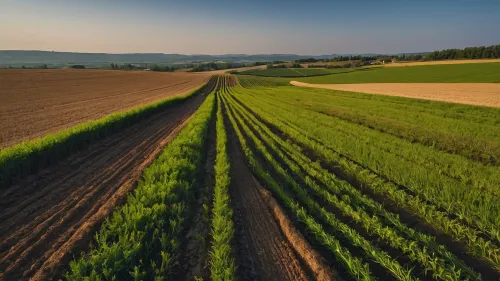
{"x": 194, "y": 257}
{"x": 272, "y": 255}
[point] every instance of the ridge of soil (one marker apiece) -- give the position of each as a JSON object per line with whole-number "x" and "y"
{"x": 48, "y": 217}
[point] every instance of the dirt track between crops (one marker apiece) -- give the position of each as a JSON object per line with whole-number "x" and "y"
{"x": 484, "y": 94}
{"x": 271, "y": 253}
{"x": 37, "y": 102}
{"x": 49, "y": 217}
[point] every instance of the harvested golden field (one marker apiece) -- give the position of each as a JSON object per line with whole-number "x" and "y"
{"x": 485, "y": 94}
{"x": 37, "y": 102}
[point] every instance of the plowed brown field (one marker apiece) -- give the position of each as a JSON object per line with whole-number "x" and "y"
{"x": 46, "y": 218}
{"x": 37, "y": 102}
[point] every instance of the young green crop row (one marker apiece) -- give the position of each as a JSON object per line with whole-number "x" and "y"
{"x": 141, "y": 240}
{"x": 222, "y": 263}
{"x": 25, "y": 158}
{"x": 304, "y": 179}
{"x": 463, "y": 189}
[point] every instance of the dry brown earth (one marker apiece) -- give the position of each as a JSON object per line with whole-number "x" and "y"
{"x": 484, "y": 94}
{"x": 37, "y": 102}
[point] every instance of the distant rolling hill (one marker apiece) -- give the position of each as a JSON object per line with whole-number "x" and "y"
{"x": 33, "y": 58}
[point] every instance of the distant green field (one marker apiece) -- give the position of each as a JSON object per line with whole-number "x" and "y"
{"x": 455, "y": 73}
{"x": 293, "y": 72}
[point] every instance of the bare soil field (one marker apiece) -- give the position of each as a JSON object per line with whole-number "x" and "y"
{"x": 416, "y": 63}
{"x": 37, "y": 102}
{"x": 484, "y": 94}
{"x": 48, "y": 217}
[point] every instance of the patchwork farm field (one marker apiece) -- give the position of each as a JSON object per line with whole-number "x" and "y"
{"x": 38, "y": 102}
{"x": 250, "y": 178}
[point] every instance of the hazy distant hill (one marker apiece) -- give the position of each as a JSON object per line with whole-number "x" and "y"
{"x": 31, "y": 58}
{"x": 58, "y": 59}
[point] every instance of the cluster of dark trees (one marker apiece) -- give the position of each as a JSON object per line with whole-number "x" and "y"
{"x": 483, "y": 52}
{"x": 283, "y": 65}
{"x": 43, "y": 66}
{"x": 127, "y": 66}
{"x": 352, "y": 58}
{"x": 350, "y": 64}
{"x": 161, "y": 68}
{"x": 339, "y": 59}
{"x": 269, "y": 62}
{"x": 270, "y": 65}
{"x": 410, "y": 57}
{"x": 209, "y": 66}
{"x": 308, "y": 60}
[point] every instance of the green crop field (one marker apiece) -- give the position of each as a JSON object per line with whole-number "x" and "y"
{"x": 453, "y": 73}
{"x": 293, "y": 72}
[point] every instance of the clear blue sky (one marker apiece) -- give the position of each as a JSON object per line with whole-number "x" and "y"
{"x": 308, "y": 27}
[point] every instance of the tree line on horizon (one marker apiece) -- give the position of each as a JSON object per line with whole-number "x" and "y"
{"x": 482, "y": 52}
